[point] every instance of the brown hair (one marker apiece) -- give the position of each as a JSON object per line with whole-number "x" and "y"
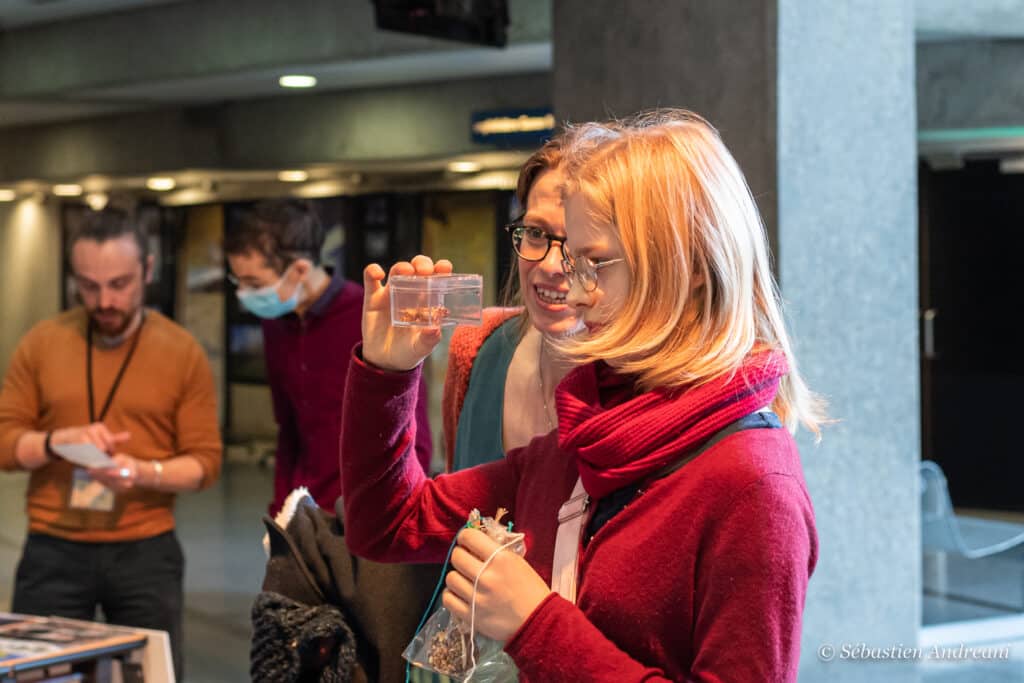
{"x": 108, "y": 224}
{"x": 282, "y": 230}
{"x": 549, "y": 156}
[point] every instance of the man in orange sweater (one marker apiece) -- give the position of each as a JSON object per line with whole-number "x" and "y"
{"x": 135, "y": 385}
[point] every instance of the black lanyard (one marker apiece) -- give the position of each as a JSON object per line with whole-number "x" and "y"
{"x": 120, "y": 373}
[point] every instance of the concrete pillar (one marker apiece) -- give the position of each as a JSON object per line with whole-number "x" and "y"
{"x": 818, "y": 107}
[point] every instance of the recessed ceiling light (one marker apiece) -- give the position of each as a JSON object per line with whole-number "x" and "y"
{"x": 160, "y": 183}
{"x": 464, "y": 166}
{"x": 293, "y": 176}
{"x": 97, "y": 201}
{"x": 297, "y": 81}
{"x": 67, "y": 190}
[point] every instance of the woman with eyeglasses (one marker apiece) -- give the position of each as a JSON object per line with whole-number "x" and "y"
{"x": 500, "y": 384}
{"x": 669, "y": 532}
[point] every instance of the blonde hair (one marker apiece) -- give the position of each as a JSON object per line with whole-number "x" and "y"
{"x": 703, "y": 297}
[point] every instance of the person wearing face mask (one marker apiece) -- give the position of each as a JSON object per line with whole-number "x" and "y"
{"x": 135, "y": 385}
{"x": 310, "y": 321}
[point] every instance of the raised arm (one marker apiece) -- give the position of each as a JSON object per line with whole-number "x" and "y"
{"x": 393, "y": 512}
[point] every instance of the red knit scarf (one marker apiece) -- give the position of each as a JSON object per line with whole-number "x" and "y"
{"x": 619, "y": 438}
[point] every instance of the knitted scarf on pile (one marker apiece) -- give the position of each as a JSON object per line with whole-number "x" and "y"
{"x": 619, "y": 438}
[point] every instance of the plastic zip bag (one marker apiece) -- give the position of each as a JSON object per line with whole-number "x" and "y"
{"x": 446, "y": 645}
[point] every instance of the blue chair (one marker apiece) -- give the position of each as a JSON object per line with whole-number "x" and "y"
{"x": 942, "y": 530}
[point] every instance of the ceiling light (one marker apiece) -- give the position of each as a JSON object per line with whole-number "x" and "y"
{"x": 97, "y": 201}
{"x": 1012, "y": 165}
{"x": 160, "y": 183}
{"x": 67, "y": 190}
{"x": 297, "y": 81}
{"x": 464, "y": 166}
{"x": 7, "y": 195}
{"x": 95, "y": 183}
{"x": 293, "y": 176}
{"x": 322, "y": 188}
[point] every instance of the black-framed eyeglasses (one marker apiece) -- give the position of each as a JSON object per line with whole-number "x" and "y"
{"x": 584, "y": 269}
{"x": 533, "y": 244}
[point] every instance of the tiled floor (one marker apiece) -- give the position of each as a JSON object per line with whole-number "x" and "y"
{"x": 221, "y": 531}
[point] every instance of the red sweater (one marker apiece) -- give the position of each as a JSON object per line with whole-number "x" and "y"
{"x": 700, "y": 578}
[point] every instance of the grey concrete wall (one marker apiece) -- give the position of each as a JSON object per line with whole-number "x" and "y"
{"x": 944, "y": 19}
{"x": 206, "y": 37}
{"x": 818, "y": 107}
{"x": 424, "y": 120}
{"x": 848, "y": 267}
{"x": 30, "y": 254}
{"x": 406, "y": 122}
{"x": 970, "y": 84}
{"x": 716, "y": 58}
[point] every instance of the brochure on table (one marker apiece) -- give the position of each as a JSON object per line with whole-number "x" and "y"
{"x": 24, "y": 639}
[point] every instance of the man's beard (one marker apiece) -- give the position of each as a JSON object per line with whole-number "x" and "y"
{"x": 111, "y": 323}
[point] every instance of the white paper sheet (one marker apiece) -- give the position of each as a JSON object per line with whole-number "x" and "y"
{"x": 83, "y": 454}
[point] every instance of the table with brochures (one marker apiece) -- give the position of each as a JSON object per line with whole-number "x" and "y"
{"x": 67, "y": 650}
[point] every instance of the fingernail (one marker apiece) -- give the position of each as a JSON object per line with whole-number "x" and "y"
{"x": 125, "y": 472}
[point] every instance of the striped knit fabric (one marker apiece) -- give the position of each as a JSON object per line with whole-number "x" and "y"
{"x": 618, "y": 439}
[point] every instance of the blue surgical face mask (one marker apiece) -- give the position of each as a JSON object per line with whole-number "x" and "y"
{"x": 265, "y": 303}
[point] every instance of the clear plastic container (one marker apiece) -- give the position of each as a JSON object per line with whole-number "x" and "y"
{"x": 433, "y": 300}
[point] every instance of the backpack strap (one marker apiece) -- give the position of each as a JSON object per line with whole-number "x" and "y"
{"x": 570, "y": 536}
{"x": 613, "y": 503}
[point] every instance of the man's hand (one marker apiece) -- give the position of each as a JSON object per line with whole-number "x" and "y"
{"x": 385, "y": 346}
{"x": 96, "y": 433}
{"x": 506, "y": 594}
{"x": 122, "y": 476}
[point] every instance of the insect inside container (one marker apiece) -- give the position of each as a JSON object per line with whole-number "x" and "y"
{"x": 423, "y": 315}
{"x": 436, "y": 300}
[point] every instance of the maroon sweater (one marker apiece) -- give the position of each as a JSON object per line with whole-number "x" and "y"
{"x": 306, "y": 357}
{"x": 700, "y": 578}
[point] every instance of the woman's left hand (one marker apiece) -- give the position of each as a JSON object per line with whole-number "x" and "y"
{"x": 507, "y": 593}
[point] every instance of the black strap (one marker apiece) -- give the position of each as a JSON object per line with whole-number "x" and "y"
{"x": 616, "y": 501}
{"x": 759, "y": 420}
{"x": 117, "y": 379}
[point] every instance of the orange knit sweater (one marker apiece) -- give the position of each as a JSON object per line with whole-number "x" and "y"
{"x": 166, "y": 401}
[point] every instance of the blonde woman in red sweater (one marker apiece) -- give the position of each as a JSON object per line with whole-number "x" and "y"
{"x": 669, "y": 532}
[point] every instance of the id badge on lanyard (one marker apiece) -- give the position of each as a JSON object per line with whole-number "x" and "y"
{"x": 89, "y": 494}
{"x": 86, "y": 492}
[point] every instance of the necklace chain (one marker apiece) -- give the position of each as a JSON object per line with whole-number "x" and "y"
{"x": 543, "y": 391}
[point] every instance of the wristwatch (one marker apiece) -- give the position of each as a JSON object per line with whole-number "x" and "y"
{"x": 47, "y": 448}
